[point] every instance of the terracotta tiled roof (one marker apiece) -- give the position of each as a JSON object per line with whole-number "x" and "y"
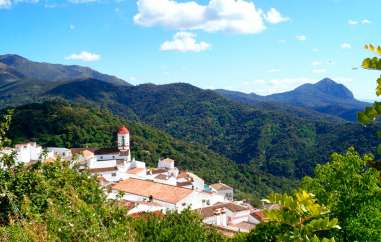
{"x": 220, "y": 186}
{"x": 135, "y": 170}
{"x": 158, "y": 191}
{"x": 158, "y": 171}
{"x": 88, "y": 154}
{"x": 183, "y": 174}
{"x": 81, "y": 150}
{"x": 103, "y": 169}
{"x": 210, "y": 211}
{"x": 162, "y": 177}
{"x": 258, "y": 215}
{"x": 184, "y": 184}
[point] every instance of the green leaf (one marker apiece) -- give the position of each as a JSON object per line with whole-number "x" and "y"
{"x": 363, "y": 118}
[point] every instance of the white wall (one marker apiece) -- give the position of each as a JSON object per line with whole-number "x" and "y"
{"x": 61, "y": 152}
{"x": 219, "y": 220}
{"x": 27, "y": 152}
{"x": 238, "y": 217}
{"x": 126, "y": 140}
{"x": 167, "y": 165}
{"x": 102, "y": 164}
{"x": 113, "y": 176}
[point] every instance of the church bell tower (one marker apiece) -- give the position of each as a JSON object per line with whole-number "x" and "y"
{"x": 123, "y": 139}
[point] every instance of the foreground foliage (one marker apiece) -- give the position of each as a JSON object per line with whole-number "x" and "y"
{"x": 352, "y": 191}
{"x": 299, "y": 218}
{"x": 54, "y": 202}
{"x": 372, "y": 113}
{"x": 186, "y": 226}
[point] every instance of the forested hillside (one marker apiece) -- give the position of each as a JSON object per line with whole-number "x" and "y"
{"x": 278, "y": 142}
{"x": 61, "y": 124}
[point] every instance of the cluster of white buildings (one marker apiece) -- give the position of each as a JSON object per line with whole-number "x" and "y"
{"x": 160, "y": 189}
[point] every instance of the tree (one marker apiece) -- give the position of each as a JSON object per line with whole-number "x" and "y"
{"x": 351, "y": 190}
{"x": 370, "y": 114}
{"x": 299, "y": 218}
{"x": 185, "y": 226}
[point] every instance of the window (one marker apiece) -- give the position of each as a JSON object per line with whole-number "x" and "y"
{"x": 113, "y": 174}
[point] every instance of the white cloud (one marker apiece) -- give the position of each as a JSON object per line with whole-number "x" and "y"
{"x": 9, "y": 3}
{"x": 274, "y": 17}
{"x": 238, "y": 16}
{"x": 366, "y": 21}
{"x": 184, "y": 42}
{"x": 5, "y": 3}
{"x": 346, "y": 46}
{"x": 84, "y": 56}
{"x": 356, "y": 22}
{"x": 319, "y": 71}
{"x": 273, "y": 70}
{"x": 71, "y": 26}
{"x": 301, "y": 37}
{"x": 315, "y": 50}
{"x": 266, "y": 87}
{"x": 48, "y": 4}
{"x": 316, "y": 63}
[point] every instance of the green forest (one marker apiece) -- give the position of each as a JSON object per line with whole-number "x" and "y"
{"x": 57, "y": 202}
{"x": 323, "y": 174}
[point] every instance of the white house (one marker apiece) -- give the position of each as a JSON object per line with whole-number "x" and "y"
{"x": 83, "y": 156}
{"x": 228, "y": 215}
{"x": 223, "y": 190}
{"x": 166, "y": 164}
{"x": 190, "y": 180}
{"x": 28, "y": 152}
{"x": 146, "y": 207}
{"x": 60, "y": 152}
{"x": 168, "y": 196}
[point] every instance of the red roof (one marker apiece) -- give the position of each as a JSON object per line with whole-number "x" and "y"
{"x": 158, "y": 191}
{"x": 135, "y": 170}
{"x": 123, "y": 130}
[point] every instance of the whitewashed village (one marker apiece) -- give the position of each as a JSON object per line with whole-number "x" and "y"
{"x": 150, "y": 190}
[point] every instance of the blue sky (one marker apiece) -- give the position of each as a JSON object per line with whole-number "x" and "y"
{"x": 262, "y": 46}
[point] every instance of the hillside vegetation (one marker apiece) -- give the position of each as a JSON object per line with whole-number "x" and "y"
{"x": 59, "y": 123}
{"x": 283, "y": 144}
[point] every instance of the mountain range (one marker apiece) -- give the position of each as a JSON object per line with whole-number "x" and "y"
{"x": 22, "y": 80}
{"x": 326, "y": 97}
{"x": 270, "y": 142}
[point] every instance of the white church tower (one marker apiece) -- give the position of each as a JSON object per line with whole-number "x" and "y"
{"x": 124, "y": 142}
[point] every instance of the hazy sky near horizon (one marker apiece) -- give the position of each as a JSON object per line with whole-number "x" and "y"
{"x": 261, "y": 46}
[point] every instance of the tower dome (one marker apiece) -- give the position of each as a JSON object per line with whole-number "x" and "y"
{"x": 123, "y": 130}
